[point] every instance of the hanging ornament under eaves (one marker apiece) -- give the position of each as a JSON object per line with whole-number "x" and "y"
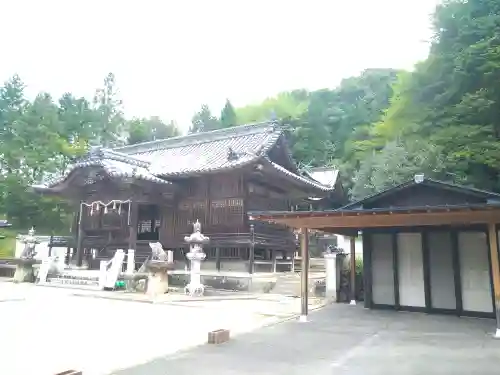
{"x": 114, "y": 204}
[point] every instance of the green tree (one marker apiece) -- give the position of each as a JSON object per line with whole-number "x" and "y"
{"x": 228, "y": 116}
{"x": 111, "y": 129}
{"x": 150, "y": 129}
{"x": 451, "y": 100}
{"x": 204, "y": 121}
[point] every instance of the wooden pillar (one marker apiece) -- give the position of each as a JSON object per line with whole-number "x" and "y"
{"x": 217, "y": 258}
{"x": 273, "y": 258}
{"x": 395, "y": 269}
{"x": 353, "y": 270}
{"x": 132, "y": 237}
{"x": 495, "y": 272}
{"x": 251, "y": 255}
{"x": 79, "y": 239}
{"x": 427, "y": 270}
{"x": 457, "y": 279}
{"x": 304, "y": 249}
{"x": 367, "y": 269}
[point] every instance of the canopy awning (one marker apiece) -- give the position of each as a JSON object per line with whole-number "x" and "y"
{"x": 342, "y": 219}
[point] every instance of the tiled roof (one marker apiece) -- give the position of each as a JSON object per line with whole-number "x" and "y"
{"x": 198, "y": 153}
{"x": 484, "y": 194}
{"x": 324, "y": 175}
{"x": 114, "y": 164}
{"x": 206, "y": 152}
{"x": 302, "y": 179}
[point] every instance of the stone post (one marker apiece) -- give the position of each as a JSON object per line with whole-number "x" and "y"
{"x": 102, "y": 273}
{"x": 332, "y": 276}
{"x": 196, "y": 255}
{"x": 130, "y": 261}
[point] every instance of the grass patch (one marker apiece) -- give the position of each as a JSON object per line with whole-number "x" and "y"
{"x": 8, "y": 244}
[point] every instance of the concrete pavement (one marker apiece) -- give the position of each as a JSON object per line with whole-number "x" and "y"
{"x": 342, "y": 339}
{"x": 49, "y": 330}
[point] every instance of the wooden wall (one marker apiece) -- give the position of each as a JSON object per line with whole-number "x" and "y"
{"x": 221, "y": 203}
{"x": 217, "y": 201}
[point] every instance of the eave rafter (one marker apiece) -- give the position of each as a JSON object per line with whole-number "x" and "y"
{"x": 345, "y": 220}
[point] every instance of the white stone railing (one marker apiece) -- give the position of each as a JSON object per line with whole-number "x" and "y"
{"x": 110, "y": 269}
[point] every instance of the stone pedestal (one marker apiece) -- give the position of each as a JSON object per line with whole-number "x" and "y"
{"x": 195, "y": 287}
{"x": 157, "y": 283}
{"x": 196, "y": 255}
{"x": 130, "y": 261}
{"x": 332, "y": 276}
{"x": 24, "y": 270}
{"x": 50, "y": 265}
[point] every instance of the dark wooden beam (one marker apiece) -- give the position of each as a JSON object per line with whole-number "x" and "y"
{"x": 427, "y": 270}
{"x": 457, "y": 278}
{"x": 495, "y": 271}
{"x": 273, "y": 258}
{"x": 134, "y": 214}
{"x": 395, "y": 219}
{"x": 352, "y": 240}
{"x": 217, "y": 258}
{"x": 80, "y": 235}
{"x": 251, "y": 255}
{"x": 395, "y": 269}
{"x": 367, "y": 268}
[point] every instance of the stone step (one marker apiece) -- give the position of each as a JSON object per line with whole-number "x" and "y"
{"x": 290, "y": 285}
{"x": 68, "y": 276}
{"x": 72, "y": 282}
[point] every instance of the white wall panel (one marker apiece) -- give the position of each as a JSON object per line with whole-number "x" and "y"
{"x": 410, "y": 270}
{"x": 382, "y": 269}
{"x": 474, "y": 272}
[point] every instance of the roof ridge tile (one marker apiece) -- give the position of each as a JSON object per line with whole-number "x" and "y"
{"x": 200, "y": 138}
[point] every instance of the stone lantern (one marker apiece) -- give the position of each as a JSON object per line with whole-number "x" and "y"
{"x": 195, "y": 241}
{"x": 24, "y": 264}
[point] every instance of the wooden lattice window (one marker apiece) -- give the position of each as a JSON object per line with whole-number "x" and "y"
{"x": 190, "y": 211}
{"x": 226, "y": 211}
{"x": 144, "y": 226}
{"x": 230, "y": 253}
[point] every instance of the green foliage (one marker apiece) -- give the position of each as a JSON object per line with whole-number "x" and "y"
{"x": 41, "y": 137}
{"x": 359, "y": 266}
{"x": 8, "y": 244}
{"x": 204, "y": 121}
{"x": 284, "y": 105}
{"x": 449, "y": 104}
{"x": 228, "y": 116}
{"x": 150, "y": 129}
{"x": 379, "y": 128}
{"x": 325, "y": 125}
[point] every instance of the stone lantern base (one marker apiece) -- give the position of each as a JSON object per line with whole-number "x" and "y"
{"x": 24, "y": 270}
{"x": 195, "y": 287}
{"x": 157, "y": 283}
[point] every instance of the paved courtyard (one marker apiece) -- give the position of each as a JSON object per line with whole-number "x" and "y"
{"x": 47, "y": 330}
{"x": 342, "y": 339}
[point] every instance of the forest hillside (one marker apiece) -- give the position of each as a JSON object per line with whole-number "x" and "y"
{"x": 379, "y": 128}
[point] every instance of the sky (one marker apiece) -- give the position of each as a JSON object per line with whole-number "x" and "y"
{"x": 169, "y": 57}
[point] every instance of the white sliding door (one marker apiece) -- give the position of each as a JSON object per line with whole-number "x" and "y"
{"x": 441, "y": 271}
{"x": 382, "y": 269}
{"x": 410, "y": 270}
{"x": 475, "y": 272}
